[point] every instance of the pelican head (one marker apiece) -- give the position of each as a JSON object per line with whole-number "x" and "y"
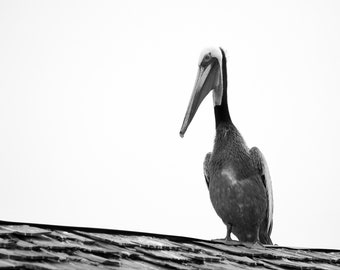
{"x": 209, "y": 78}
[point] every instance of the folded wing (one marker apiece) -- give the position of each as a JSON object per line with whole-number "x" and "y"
{"x": 262, "y": 167}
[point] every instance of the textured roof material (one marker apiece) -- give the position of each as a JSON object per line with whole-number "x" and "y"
{"x": 48, "y": 247}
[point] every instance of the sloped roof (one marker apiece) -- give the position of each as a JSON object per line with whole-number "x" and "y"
{"x": 48, "y": 247}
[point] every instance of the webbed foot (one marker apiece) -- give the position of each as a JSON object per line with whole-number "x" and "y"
{"x": 227, "y": 241}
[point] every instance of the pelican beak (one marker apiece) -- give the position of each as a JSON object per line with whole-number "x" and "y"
{"x": 208, "y": 78}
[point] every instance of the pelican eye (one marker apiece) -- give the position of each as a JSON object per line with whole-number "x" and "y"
{"x": 207, "y": 57}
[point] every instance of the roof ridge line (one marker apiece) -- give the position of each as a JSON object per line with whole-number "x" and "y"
{"x": 102, "y": 230}
{"x": 175, "y": 238}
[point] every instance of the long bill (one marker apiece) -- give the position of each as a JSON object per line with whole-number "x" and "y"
{"x": 208, "y": 78}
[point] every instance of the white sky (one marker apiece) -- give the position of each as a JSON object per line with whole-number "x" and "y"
{"x": 93, "y": 94}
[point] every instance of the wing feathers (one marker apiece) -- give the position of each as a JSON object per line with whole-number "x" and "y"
{"x": 206, "y": 168}
{"x": 262, "y": 166}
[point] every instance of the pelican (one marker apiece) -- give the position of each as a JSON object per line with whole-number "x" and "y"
{"x": 237, "y": 177}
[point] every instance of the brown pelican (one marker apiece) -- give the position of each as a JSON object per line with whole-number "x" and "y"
{"x": 237, "y": 177}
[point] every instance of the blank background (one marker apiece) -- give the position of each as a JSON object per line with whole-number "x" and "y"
{"x": 93, "y": 94}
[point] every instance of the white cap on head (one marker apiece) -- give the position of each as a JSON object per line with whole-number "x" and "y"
{"x": 213, "y": 52}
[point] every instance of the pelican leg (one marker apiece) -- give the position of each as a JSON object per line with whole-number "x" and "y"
{"x": 227, "y": 240}
{"x": 229, "y": 229}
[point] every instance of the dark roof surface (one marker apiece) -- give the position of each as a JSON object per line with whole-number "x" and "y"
{"x": 36, "y": 246}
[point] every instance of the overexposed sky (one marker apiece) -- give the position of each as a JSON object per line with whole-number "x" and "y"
{"x": 93, "y": 94}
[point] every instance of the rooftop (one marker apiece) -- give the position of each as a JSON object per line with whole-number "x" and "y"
{"x": 50, "y": 247}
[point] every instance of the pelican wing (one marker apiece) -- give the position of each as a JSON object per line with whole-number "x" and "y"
{"x": 206, "y": 168}
{"x": 262, "y": 166}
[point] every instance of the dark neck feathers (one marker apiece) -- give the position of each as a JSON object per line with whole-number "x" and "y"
{"x": 222, "y": 115}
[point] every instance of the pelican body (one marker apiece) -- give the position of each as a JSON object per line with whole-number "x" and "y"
{"x": 237, "y": 177}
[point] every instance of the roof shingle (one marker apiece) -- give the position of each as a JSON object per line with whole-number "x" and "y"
{"x": 48, "y": 247}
